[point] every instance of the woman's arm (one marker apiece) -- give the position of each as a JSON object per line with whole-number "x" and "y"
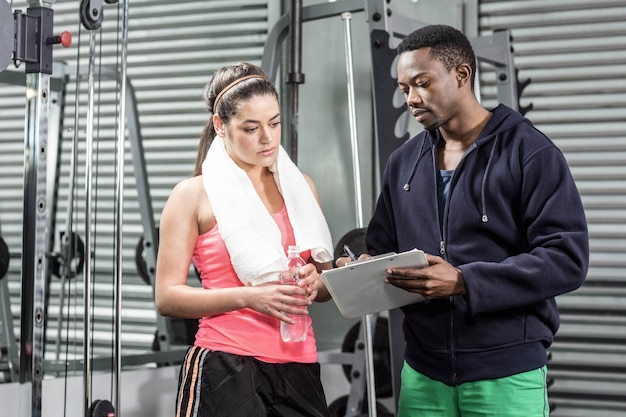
{"x": 179, "y": 230}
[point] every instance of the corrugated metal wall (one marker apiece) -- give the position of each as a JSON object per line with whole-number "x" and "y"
{"x": 173, "y": 49}
{"x": 574, "y": 52}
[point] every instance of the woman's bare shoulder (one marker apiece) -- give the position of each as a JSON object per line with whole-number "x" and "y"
{"x": 189, "y": 196}
{"x": 188, "y": 188}
{"x": 189, "y": 184}
{"x": 185, "y": 193}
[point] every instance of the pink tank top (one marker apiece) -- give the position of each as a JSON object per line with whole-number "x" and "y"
{"x": 245, "y": 332}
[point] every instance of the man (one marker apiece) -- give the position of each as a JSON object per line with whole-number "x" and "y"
{"x": 493, "y": 203}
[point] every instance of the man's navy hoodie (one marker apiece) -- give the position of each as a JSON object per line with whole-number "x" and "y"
{"x": 513, "y": 223}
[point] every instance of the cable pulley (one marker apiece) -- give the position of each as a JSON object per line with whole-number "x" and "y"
{"x": 381, "y": 355}
{"x": 71, "y": 260}
{"x": 140, "y": 260}
{"x": 5, "y": 256}
{"x": 101, "y": 408}
{"x": 91, "y": 15}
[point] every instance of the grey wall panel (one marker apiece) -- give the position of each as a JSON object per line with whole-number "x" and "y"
{"x": 574, "y": 53}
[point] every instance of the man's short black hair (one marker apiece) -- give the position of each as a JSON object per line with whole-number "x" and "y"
{"x": 447, "y": 44}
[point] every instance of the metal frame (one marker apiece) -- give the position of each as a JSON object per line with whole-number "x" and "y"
{"x": 55, "y": 109}
{"x": 34, "y": 244}
{"x": 57, "y": 84}
{"x": 495, "y": 50}
{"x": 383, "y": 26}
{"x": 139, "y": 165}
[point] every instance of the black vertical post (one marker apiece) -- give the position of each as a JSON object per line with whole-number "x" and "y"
{"x": 295, "y": 75}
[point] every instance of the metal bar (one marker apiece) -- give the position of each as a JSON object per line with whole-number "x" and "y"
{"x": 87, "y": 357}
{"x": 34, "y": 263}
{"x": 506, "y": 79}
{"x": 486, "y": 50}
{"x": 367, "y": 322}
{"x": 55, "y": 86}
{"x": 34, "y": 243}
{"x": 54, "y": 159}
{"x": 102, "y": 363}
{"x": 150, "y": 237}
{"x": 119, "y": 199}
{"x": 295, "y": 76}
{"x": 7, "y": 333}
{"x": 273, "y": 48}
{"x": 150, "y": 240}
{"x": 346, "y": 17}
{"x": 396, "y": 349}
{"x": 370, "y": 321}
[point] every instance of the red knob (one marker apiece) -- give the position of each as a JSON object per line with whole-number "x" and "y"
{"x": 64, "y": 39}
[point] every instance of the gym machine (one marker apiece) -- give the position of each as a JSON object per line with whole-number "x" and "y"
{"x": 28, "y": 39}
{"x": 34, "y": 47}
{"x": 384, "y": 26}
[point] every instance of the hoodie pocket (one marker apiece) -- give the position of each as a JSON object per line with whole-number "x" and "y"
{"x": 491, "y": 331}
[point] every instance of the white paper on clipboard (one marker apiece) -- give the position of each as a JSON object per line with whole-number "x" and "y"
{"x": 359, "y": 288}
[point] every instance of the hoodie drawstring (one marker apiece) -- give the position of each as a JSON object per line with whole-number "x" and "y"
{"x": 484, "y": 217}
{"x": 407, "y": 185}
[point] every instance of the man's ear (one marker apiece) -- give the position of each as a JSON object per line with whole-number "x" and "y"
{"x": 463, "y": 74}
{"x": 218, "y": 125}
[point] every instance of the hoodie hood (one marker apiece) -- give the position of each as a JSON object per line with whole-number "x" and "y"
{"x": 503, "y": 119}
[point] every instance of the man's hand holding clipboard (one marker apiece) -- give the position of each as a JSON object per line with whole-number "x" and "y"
{"x": 360, "y": 288}
{"x": 436, "y": 280}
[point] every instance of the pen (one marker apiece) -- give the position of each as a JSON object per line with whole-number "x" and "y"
{"x": 351, "y": 254}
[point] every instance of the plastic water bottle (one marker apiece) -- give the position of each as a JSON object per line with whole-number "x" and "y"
{"x": 297, "y": 331}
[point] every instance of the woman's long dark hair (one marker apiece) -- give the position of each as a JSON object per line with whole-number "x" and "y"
{"x": 229, "y": 102}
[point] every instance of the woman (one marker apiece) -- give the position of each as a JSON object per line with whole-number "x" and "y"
{"x": 246, "y": 203}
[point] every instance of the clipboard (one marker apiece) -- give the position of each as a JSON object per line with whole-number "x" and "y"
{"x": 359, "y": 288}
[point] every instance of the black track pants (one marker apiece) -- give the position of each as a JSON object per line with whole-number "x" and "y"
{"x": 218, "y": 384}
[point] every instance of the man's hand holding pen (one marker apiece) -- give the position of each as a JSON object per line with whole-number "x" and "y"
{"x": 351, "y": 257}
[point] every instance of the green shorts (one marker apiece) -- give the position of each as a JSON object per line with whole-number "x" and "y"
{"x": 521, "y": 395}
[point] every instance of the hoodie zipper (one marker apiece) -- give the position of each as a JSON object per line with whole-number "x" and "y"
{"x": 442, "y": 247}
{"x": 442, "y": 253}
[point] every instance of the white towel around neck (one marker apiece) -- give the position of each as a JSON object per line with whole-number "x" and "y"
{"x": 250, "y": 234}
